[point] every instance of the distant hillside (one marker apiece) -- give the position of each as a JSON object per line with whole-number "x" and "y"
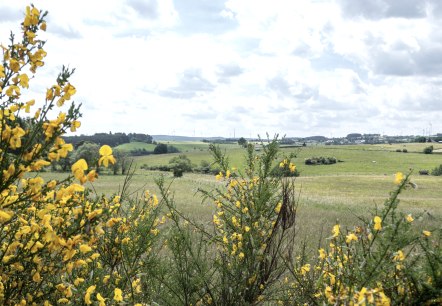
{"x": 182, "y": 138}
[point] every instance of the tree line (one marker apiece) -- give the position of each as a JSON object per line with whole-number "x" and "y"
{"x": 111, "y": 139}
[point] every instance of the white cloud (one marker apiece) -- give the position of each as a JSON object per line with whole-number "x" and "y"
{"x": 210, "y": 67}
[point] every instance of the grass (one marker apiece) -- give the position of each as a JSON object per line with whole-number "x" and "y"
{"x": 356, "y": 160}
{"x": 183, "y": 147}
{"x": 364, "y": 159}
{"x": 127, "y": 147}
{"x": 236, "y": 155}
{"x": 327, "y": 193}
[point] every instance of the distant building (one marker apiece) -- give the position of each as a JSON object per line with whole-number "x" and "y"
{"x": 354, "y": 136}
{"x": 315, "y": 138}
{"x": 372, "y": 138}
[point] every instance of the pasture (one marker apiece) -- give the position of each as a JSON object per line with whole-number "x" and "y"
{"x": 326, "y": 193}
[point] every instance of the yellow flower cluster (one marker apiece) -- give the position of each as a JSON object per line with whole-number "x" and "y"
{"x": 244, "y": 227}
{"x": 57, "y": 244}
{"x": 286, "y": 164}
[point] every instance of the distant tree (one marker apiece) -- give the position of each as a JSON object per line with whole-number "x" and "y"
{"x": 428, "y": 150}
{"x": 89, "y": 152}
{"x": 160, "y": 148}
{"x": 64, "y": 164}
{"x": 242, "y": 142}
{"x": 204, "y": 167}
{"x": 180, "y": 164}
{"x": 437, "y": 171}
{"x": 140, "y": 137}
{"x": 172, "y": 149}
{"x": 122, "y": 162}
{"x": 99, "y": 138}
{"x": 420, "y": 139}
{"x": 140, "y": 152}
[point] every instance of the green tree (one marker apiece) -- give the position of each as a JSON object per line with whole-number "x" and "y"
{"x": 87, "y": 151}
{"x": 122, "y": 162}
{"x": 428, "y": 150}
{"x": 160, "y": 148}
{"x": 242, "y": 142}
{"x": 180, "y": 164}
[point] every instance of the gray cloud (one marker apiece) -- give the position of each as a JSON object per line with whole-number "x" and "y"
{"x": 66, "y": 32}
{"x": 393, "y": 63}
{"x": 225, "y": 72}
{"x": 373, "y": 9}
{"x": 300, "y": 92}
{"x": 191, "y": 84}
{"x": 8, "y": 14}
{"x": 406, "y": 8}
{"x": 378, "y": 9}
{"x": 428, "y": 102}
{"x": 429, "y": 61}
{"x": 436, "y": 7}
{"x": 145, "y": 8}
{"x": 279, "y": 85}
{"x": 302, "y": 50}
{"x": 402, "y": 62}
{"x": 327, "y": 121}
{"x": 304, "y": 92}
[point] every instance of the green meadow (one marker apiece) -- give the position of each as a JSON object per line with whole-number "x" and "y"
{"x": 360, "y": 182}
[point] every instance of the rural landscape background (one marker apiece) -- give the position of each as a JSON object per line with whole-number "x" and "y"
{"x": 129, "y": 218}
{"x": 361, "y": 179}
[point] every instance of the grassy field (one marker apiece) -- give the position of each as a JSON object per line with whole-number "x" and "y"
{"x": 183, "y": 147}
{"x": 127, "y": 147}
{"x": 236, "y": 155}
{"x": 365, "y": 159}
{"x": 342, "y": 191}
{"x": 356, "y": 159}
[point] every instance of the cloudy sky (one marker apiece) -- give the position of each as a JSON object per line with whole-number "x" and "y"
{"x": 219, "y": 67}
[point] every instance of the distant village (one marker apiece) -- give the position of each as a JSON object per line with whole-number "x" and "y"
{"x": 357, "y": 138}
{"x": 350, "y": 139}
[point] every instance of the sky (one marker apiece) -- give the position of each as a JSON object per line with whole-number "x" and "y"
{"x": 245, "y": 67}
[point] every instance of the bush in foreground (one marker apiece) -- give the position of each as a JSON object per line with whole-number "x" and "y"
{"x": 382, "y": 261}
{"x": 58, "y": 243}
